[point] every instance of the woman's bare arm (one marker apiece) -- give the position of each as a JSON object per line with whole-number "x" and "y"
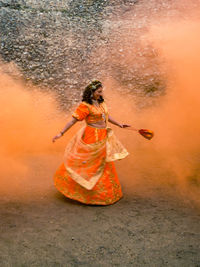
{"x": 69, "y": 125}
{"x": 111, "y": 120}
{"x": 65, "y": 129}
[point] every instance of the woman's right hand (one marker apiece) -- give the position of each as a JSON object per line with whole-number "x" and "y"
{"x": 56, "y": 137}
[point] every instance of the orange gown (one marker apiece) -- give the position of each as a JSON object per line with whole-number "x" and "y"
{"x": 88, "y": 173}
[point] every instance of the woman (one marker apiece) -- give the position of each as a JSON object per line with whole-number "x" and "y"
{"x": 88, "y": 173}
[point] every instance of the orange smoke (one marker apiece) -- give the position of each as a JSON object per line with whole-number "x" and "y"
{"x": 179, "y": 113}
{"x": 29, "y": 119}
{"x": 171, "y": 159}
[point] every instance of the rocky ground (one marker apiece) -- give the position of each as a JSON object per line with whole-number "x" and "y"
{"x": 61, "y": 45}
{"x": 150, "y": 226}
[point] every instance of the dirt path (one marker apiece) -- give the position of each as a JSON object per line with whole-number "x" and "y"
{"x": 42, "y": 228}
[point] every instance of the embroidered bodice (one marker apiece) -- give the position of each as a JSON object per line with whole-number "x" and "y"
{"x": 91, "y": 113}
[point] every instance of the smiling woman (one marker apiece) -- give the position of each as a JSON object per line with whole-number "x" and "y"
{"x": 88, "y": 173}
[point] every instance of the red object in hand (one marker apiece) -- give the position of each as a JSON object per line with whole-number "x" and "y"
{"x": 148, "y": 134}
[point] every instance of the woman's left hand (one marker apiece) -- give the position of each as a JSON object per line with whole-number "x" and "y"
{"x": 124, "y": 125}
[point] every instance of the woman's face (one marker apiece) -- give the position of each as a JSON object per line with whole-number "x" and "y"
{"x": 98, "y": 93}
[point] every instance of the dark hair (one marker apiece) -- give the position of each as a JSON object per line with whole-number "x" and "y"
{"x": 89, "y": 90}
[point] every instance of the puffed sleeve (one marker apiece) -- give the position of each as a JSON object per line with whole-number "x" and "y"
{"x": 81, "y": 112}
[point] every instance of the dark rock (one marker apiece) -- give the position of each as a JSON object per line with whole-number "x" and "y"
{"x": 56, "y": 45}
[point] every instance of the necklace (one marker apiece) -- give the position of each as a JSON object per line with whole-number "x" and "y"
{"x": 95, "y": 103}
{"x": 99, "y": 106}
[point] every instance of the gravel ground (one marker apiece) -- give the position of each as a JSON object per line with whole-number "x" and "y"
{"x": 61, "y": 45}
{"x": 40, "y": 227}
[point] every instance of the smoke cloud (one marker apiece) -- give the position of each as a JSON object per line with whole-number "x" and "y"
{"x": 171, "y": 159}
{"x": 30, "y": 118}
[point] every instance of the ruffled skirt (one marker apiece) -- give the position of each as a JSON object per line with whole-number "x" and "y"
{"x": 88, "y": 173}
